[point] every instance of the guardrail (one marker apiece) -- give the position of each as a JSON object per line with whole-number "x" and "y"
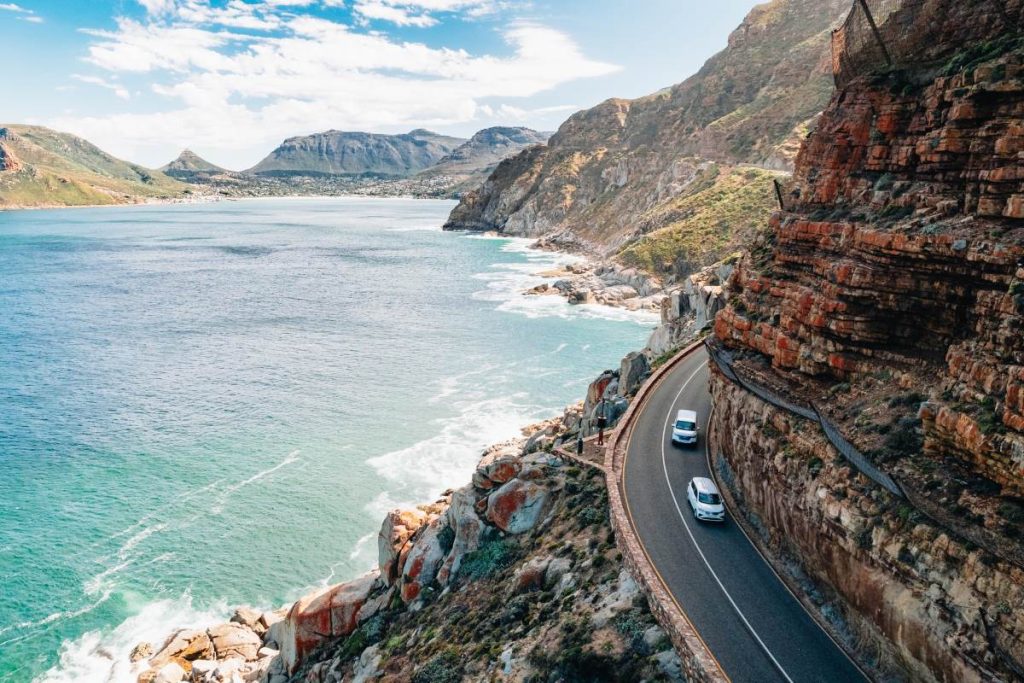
{"x": 939, "y": 516}
{"x": 699, "y": 663}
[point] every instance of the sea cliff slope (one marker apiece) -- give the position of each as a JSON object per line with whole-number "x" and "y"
{"x": 610, "y": 173}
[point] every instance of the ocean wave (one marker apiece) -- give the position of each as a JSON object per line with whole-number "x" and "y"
{"x": 102, "y": 657}
{"x": 218, "y": 507}
{"x": 423, "y": 470}
{"x": 54, "y": 617}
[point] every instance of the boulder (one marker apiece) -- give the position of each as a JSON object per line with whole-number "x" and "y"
{"x": 268, "y": 619}
{"x": 469, "y": 530}
{"x": 374, "y": 605}
{"x": 318, "y": 617}
{"x": 395, "y": 532}
{"x": 556, "y": 570}
{"x": 367, "y": 667}
{"x": 185, "y": 645}
{"x": 530, "y": 576}
{"x": 517, "y": 506}
{"x": 171, "y": 672}
{"x": 234, "y": 640}
{"x": 498, "y": 465}
{"x": 633, "y": 370}
{"x": 202, "y": 670}
{"x": 423, "y": 560}
{"x": 141, "y": 651}
{"x": 248, "y": 617}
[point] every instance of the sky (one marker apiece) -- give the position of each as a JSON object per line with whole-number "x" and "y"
{"x": 231, "y": 79}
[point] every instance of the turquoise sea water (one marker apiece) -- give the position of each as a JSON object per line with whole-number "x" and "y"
{"x": 210, "y": 405}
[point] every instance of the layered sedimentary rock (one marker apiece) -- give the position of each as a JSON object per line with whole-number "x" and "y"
{"x": 889, "y": 292}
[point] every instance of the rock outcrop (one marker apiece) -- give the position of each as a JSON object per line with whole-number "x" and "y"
{"x": 602, "y": 179}
{"x": 888, "y": 293}
{"x": 514, "y": 567}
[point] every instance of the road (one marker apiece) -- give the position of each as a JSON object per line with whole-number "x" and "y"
{"x": 752, "y": 624}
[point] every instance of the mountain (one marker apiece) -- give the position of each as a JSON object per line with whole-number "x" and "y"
{"x": 470, "y": 163}
{"x": 343, "y": 153}
{"x": 43, "y": 167}
{"x": 888, "y": 295}
{"x": 188, "y": 165}
{"x": 610, "y": 174}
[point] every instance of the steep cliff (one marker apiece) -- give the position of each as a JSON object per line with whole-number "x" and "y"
{"x": 336, "y": 152}
{"x": 889, "y": 294}
{"x": 610, "y": 173}
{"x": 43, "y": 167}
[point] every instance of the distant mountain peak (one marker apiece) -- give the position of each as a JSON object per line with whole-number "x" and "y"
{"x": 189, "y": 163}
{"x": 336, "y": 152}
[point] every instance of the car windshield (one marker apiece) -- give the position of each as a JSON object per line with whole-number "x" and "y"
{"x": 686, "y": 425}
{"x": 709, "y": 498}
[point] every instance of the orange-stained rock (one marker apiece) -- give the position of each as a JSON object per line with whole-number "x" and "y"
{"x": 395, "y": 531}
{"x": 426, "y": 553}
{"x": 517, "y": 506}
{"x": 320, "y": 617}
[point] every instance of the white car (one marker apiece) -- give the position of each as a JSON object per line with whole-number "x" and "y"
{"x": 684, "y": 430}
{"x": 705, "y": 500}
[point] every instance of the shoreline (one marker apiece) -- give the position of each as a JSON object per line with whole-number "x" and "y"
{"x": 170, "y": 626}
{"x": 214, "y": 199}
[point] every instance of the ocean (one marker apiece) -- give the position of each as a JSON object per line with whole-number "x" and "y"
{"x": 209, "y": 405}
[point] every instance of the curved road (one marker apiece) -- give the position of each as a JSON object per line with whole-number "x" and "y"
{"x": 752, "y": 624}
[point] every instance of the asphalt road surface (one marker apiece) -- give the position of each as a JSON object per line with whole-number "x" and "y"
{"x": 752, "y": 624}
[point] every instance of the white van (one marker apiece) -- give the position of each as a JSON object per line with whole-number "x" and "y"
{"x": 684, "y": 430}
{"x": 705, "y": 500}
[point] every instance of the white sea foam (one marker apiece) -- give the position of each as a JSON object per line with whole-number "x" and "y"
{"x": 422, "y": 470}
{"x": 508, "y": 282}
{"x": 51, "y": 618}
{"x": 218, "y": 507}
{"x": 102, "y": 657}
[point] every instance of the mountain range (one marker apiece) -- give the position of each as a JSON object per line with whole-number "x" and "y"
{"x": 675, "y": 179}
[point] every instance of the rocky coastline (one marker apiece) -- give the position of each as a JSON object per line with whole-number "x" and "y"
{"x": 525, "y": 551}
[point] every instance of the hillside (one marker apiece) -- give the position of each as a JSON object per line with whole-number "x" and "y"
{"x": 887, "y": 301}
{"x": 188, "y": 165}
{"x": 469, "y": 164}
{"x": 608, "y": 166}
{"x": 43, "y": 167}
{"x": 337, "y": 152}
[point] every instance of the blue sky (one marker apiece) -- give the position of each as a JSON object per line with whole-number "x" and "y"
{"x": 230, "y": 79}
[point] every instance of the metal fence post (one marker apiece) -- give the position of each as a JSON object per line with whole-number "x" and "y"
{"x": 874, "y": 29}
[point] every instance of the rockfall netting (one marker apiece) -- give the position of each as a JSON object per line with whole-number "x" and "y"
{"x": 893, "y": 33}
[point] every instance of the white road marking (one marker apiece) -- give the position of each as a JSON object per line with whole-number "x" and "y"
{"x": 689, "y": 532}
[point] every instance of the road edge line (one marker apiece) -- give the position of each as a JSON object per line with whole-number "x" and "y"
{"x": 744, "y": 525}
{"x": 698, "y": 662}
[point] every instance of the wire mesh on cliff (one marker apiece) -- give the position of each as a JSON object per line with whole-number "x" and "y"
{"x": 880, "y": 34}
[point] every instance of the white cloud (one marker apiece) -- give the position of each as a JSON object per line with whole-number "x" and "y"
{"x": 228, "y": 89}
{"x": 118, "y": 90}
{"x": 24, "y": 13}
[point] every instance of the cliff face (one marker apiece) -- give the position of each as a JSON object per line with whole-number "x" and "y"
{"x": 889, "y": 292}
{"x": 608, "y": 166}
{"x": 344, "y": 153}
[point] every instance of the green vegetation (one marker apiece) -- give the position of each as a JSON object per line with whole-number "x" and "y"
{"x": 725, "y": 208}
{"x": 58, "y": 169}
{"x": 491, "y": 558}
